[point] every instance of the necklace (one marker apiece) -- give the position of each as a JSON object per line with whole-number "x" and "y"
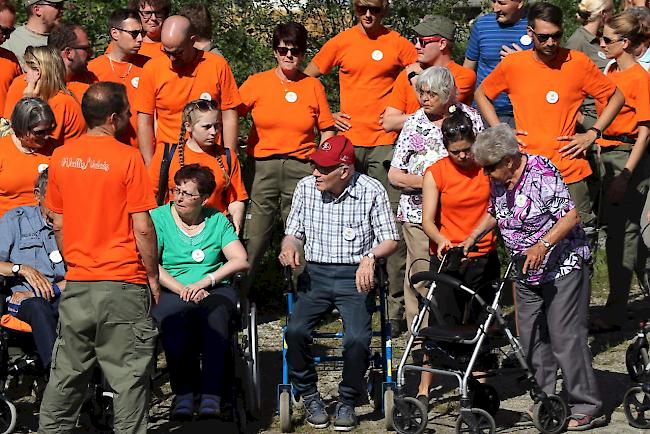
{"x": 289, "y": 96}
{"x": 122, "y": 77}
{"x": 21, "y": 148}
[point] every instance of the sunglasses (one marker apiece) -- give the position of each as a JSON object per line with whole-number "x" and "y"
{"x": 6, "y": 31}
{"x": 58, "y": 6}
{"x": 489, "y": 168}
{"x": 43, "y": 132}
{"x": 362, "y": 10}
{"x": 426, "y": 40}
{"x": 134, "y": 33}
{"x": 461, "y": 129}
{"x": 543, "y": 37}
{"x": 148, "y": 14}
{"x": 283, "y": 51}
{"x": 609, "y": 41}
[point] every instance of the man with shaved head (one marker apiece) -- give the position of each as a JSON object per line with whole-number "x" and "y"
{"x": 99, "y": 197}
{"x": 168, "y": 83}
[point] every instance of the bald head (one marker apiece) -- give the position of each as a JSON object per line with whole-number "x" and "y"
{"x": 178, "y": 41}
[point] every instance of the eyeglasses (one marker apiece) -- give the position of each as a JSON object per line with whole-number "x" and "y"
{"x": 283, "y": 51}
{"x": 362, "y": 10}
{"x": 489, "y": 168}
{"x": 58, "y": 5}
{"x": 543, "y": 37}
{"x": 43, "y": 132}
{"x": 134, "y": 33}
{"x": 426, "y": 93}
{"x": 148, "y": 14}
{"x": 6, "y": 31}
{"x": 426, "y": 40}
{"x": 180, "y": 193}
{"x": 609, "y": 41}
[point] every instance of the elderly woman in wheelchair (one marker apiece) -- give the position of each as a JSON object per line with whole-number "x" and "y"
{"x": 199, "y": 250}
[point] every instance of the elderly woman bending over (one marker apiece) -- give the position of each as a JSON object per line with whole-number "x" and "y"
{"x": 537, "y": 219}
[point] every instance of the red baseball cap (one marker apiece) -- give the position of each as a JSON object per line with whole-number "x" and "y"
{"x": 334, "y": 151}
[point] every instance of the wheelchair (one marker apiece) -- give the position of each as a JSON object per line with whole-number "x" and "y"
{"x": 478, "y": 402}
{"x": 380, "y": 383}
{"x": 636, "y": 403}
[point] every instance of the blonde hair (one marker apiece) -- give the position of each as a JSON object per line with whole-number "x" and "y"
{"x": 383, "y": 4}
{"x": 202, "y": 106}
{"x": 48, "y": 61}
{"x": 629, "y": 26}
{"x": 589, "y": 10}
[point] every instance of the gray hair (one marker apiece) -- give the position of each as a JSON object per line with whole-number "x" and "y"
{"x": 41, "y": 182}
{"x": 438, "y": 80}
{"x": 28, "y": 113}
{"x": 494, "y": 144}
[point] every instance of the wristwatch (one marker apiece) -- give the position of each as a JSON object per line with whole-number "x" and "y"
{"x": 598, "y": 132}
{"x": 545, "y": 243}
{"x": 411, "y": 75}
{"x": 370, "y": 256}
{"x": 15, "y": 269}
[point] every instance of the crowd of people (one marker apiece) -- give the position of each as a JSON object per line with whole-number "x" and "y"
{"x": 124, "y": 209}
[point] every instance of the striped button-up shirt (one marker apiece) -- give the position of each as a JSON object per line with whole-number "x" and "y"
{"x": 340, "y": 230}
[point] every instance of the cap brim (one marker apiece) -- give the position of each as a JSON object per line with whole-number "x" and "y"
{"x": 323, "y": 160}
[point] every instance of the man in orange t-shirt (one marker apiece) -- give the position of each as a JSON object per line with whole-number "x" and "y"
{"x": 123, "y": 64}
{"x": 152, "y": 14}
{"x": 434, "y": 45}
{"x": 546, "y": 86}
{"x": 369, "y": 57}
{"x": 168, "y": 83}
{"x": 100, "y": 196}
{"x": 71, "y": 41}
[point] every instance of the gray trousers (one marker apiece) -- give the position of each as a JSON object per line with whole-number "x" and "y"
{"x": 553, "y": 332}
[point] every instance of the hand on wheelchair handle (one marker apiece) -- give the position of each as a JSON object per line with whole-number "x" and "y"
{"x": 289, "y": 257}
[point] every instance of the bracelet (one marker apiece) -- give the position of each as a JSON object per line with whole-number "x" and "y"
{"x": 213, "y": 281}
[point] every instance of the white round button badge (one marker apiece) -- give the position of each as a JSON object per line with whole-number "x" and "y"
{"x": 135, "y": 81}
{"x": 42, "y": 167}
{"x": 552, "y": 97}
{"x": 602, "y": 55}
{"x": 55, "y": 257}
{"x": 348, "y": 234}
{"x": 206, "y": 96}
{"x": 291, "y": 96}
{"x": 377, "y": 55}
{"x": 520, "y": 200}
{"x": 198, "y": 255}
{"x": 526, "y": 40}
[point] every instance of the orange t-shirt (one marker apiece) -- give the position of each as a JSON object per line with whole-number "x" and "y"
{"x": 220, "y": 198}
{"x": 9, "y": 69}
{"x": 634, "y": 82}
{"x": 463, "y": 202}
{"x": 96, "y": 182}
{"x": 284, "y": 114}
{"x": 128, "y": 74}
{"x": 404, "y": 98}
{"x": 165, "y": 92}
{"x": 151, "y": 50}
{"x": 18, "y": 173}
{"x": 546, "y": 100}
{"x": 367, "y": 70}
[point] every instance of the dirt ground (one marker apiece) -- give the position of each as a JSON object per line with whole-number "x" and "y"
{"x": 609, "y": 358}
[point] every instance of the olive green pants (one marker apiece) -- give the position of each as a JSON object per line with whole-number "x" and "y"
{"x": 271, "y": 184}
{"x": 375, "y": 161}
{"x": 105, "y": 323}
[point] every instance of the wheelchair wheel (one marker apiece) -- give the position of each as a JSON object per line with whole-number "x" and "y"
{"x": 549, "y": 415}
{"x": 485, "y": 396}
{"x": 239, "y": 413}
{"x": 389, "y": 403}
{"x": 475, "y": 421}
{"x": 7, "y": 416}
{"x": 252, "y": 385}
{"x": 634, "y": 360}
{"x": 285, "y": 411}
{"x": 636, "y": 406}
{"x": 409, "y": 416}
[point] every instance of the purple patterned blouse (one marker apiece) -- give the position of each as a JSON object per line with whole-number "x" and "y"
{"x": 527, "y": 212}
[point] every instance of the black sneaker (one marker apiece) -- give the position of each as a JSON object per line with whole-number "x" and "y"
{"x": 345, "y": 420}
{"x": 315, "y": 412}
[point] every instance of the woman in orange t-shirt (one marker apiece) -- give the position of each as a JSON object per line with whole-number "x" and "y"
{"x": 21, "y": 153}
{"x": 455, "y": 196}
{"x": 288, "y": 108}
{"x": 624, "y": 158}
{"x": 202, "y": 120}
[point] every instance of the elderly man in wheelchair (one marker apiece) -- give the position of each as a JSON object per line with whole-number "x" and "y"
{"x": 33, "y": 271}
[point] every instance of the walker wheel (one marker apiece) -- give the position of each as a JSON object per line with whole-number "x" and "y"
{"x": 549, "y": 415}
{"x": 7, "y": 416}
{"x": 636, "y": 404}
{"x": 634, "y": 362}
{"x": 409, "y": 416}
{"x": 475, "y": 421}
{"x": 485, "y": 396}
{"x": 285, "y": 412}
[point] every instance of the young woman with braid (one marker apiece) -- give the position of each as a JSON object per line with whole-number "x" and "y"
{"x": 202, "y": 122}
